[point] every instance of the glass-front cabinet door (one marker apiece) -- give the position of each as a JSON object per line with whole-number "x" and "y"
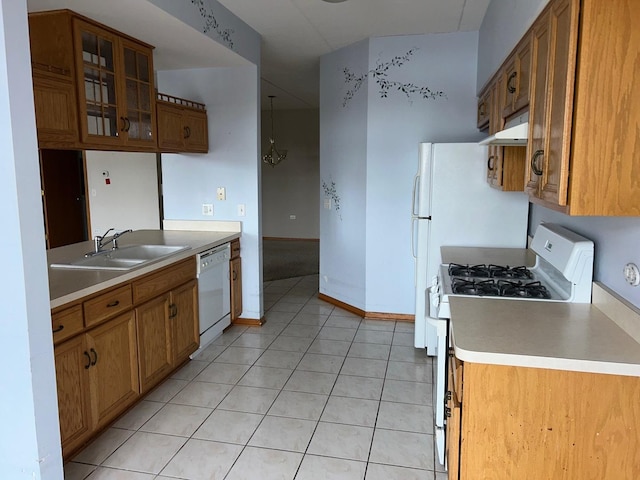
{"x": 139, "y": 94}
{"x": 101, "y": 121}
{"x": 115, "y": 78}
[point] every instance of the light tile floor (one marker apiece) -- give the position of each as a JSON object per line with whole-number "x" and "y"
{"x": 315, "y": 393}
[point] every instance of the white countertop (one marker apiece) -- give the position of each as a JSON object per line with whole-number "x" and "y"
{"x": 540, "y": 334}
{"x": 67, "y": 285}
{"x": 560, "y": 336}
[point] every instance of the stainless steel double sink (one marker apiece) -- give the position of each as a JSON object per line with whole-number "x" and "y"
{"x": 122, "y": 258}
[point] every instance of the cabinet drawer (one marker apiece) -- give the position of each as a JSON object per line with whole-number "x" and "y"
{"x": 107, "y": 305}
{"x": 66, "y": 323}
{"x": 164, "y": 280}
{"x": 235, "y": 248}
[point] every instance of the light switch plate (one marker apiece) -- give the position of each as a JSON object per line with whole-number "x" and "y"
{"x": 241, "y": 209}
{"x": 221, "y": 193}
{"x": 207, "y": 209}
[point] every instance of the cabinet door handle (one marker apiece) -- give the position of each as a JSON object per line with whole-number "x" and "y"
{"x": 59, "y": 329}
{"x": 173, "y": 311}
{"x": 490, "y": 163}
{"x": 95, "y": 357}
{"x": 447, "y": 412}
{"x": 126, "y": 119}
{"x": 124, "y": 124}
{"x": 235, "y": 275}
{"x": 187, "y": 132}
{"x": 86, "y": 367}
{"x": 113, "y": 304}
{"x": 452, "y": 352}
{"x": 482, "y": 109}
{"x": 511, "y": 88}
{"x": 534, "y": 162}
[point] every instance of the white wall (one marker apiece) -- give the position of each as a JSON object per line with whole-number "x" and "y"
{"x": 29, "y": 432}
{"x": 343, "y": 158}
{"x": 245, "y": 40}
{"x": 616, "y": 238}
{"x": 130, "y": 200}
{"x": 396, "y": 125}
{"x": 231, "y": 97}
{"x": 291, "y": 188}
{"x": 370, "y": 148}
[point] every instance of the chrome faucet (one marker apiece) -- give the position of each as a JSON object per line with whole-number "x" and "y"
{"x": 99, "y": 243}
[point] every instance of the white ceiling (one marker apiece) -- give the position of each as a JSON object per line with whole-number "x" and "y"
{"x": 295, "y": 33}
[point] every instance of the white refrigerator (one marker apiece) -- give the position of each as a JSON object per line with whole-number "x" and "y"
{"x": 454, "y": 205}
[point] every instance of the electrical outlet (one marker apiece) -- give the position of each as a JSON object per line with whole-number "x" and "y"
{"x": 292, "y": 217}
{"x": 632, "y": 274}
{"x": 241, "y": 209}
{"x": 221, "y": 193}
{"x": 207, "y": 209}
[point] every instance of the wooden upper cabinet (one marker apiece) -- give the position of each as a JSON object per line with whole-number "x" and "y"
{"x": 115, "y": 88}
{"x": 484, "y": 109}
{"x": 182, "y": 125}
{"x": 583, "y": 150}
{"x": 516, "y": 72}
{"x": 554, "y": 54}
{"x": 605, "y": 156}
{"x": 103, "y": 96}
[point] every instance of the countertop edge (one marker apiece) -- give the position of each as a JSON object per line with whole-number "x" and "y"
{"x": 530, "y": 361}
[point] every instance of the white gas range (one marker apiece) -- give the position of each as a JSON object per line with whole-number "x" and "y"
{"x": 563, "y": 272}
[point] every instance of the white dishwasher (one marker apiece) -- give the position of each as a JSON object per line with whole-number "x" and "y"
{"x": 214, "y": 293}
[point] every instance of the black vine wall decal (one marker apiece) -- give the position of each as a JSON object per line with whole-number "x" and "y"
{"x": 381, "y": 75}
{"x": 212, "y": 24}
{"x": 331, "y": 192}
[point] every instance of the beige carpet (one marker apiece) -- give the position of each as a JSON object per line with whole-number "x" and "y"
{"x": 289, "y": 258}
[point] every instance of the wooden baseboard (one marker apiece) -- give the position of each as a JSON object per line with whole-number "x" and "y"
{"x": 252, "y": 322}
{"x": 392, "y": 317}
{"x": 292, "y": 239}
{"x": 342, "y": 305}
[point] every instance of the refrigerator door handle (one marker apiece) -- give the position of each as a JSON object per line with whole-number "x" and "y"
{"x": 414, "y": 212}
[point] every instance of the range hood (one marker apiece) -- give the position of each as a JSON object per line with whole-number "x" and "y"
{"x": 515, "y": 132}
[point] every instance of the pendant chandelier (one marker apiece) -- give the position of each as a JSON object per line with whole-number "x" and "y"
{"x": 273, "y": 157}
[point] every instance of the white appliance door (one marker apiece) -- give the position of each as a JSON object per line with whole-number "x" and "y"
{"x": 421, "y": 228}
{"x": 422, "y": 182}
{"x": 465, "y": 210}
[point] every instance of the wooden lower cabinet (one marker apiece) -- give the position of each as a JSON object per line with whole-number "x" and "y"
{"x": 184, "y": 321}
{"x": 102, "y": 370}
{"x": 538, "y": 423}
{"x": 74, "y": 403}
{"x": 168, "y": 332}
{"x": 114, "y": 368}
{"x": 154, "y": 341}
{"x": 97, "y": 379}
{"x": 236, "y": 287}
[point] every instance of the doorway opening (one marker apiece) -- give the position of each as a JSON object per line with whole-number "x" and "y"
{"x": 64, "y": 199}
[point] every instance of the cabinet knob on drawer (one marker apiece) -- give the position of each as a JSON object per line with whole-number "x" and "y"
{"x": 113, "y": 304}
{"x": 59, "y": 329}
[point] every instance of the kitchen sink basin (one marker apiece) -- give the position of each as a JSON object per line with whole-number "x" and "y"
{"x": 123, "y": 258}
